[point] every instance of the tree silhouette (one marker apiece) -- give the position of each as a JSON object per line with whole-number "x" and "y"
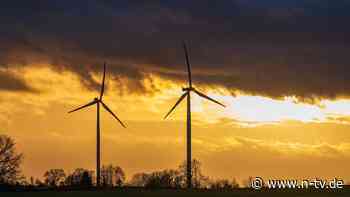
{"x": 119, "y": 176}
{"x": 106, "y": 175}
{"x": 39, "y": 183}
{"x": 112, "y": 176}
{"x": 54, "y": 177}
{"x": 32, "y": 181}
{"x": 198, "y": 179}
{"x": 80, "y": 177}
{"x": 86, "y": 179}
{"x": 139, "y": 179}
{"x": 171, "y": 178}
{"x": 223, "y": 184}
{"x": 10, "y": 161}
{"x": 159, "y": 179}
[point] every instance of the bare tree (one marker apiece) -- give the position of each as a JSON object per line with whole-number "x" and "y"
{"x": 38, "y": 183}
{"x": 32, "y": 181}
{"x": 223, "y": 184}
{"x": 139, "y": 179}
{"x": 171, "y": 178}
{"x": 234, "y": 183}
{"x": 107, "y": 175}
{"x": 159, "y": 179}
{"x": 119, "y": 175}
{"x": 198, "y": 179}
{"x": 10, "y": 161}
{"x": 80, "y": 177}
{"x": 54, "y": 177}
{"x": 112, "y": 176}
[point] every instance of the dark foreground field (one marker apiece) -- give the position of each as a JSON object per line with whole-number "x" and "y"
{"x": 180, "y": 193}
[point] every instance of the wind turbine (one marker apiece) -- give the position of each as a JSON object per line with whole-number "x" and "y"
{"x": 99, "y": 101}
{"x": 187, "y": 93}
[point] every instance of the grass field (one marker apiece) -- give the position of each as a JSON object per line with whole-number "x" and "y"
{"x": 180, "y": 193}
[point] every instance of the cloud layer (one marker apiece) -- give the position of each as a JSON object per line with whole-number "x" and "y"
{"x": 272, "y": 48}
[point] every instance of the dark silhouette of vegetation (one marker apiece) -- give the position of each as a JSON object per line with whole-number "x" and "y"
{"x": 80, "y": 178}
{"x": 139, "y": 179}
{"x": 86, "y": 179}
{"x": 198, "y": 179}
{"x": 171, "y": 178}
{"x": 176, "y": 179}
{"x": 164, "y": 179}
{"x": 39, "y": 183}
{"x": 10, "y": 161}
{"x": 223, "y": 184}
{"x": 112, "y": 176}
{"x": 55, "y": 177}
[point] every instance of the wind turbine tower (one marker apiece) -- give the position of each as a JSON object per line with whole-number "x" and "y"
{"x": 99, "y": 101}
{"x": 187, "y": 93}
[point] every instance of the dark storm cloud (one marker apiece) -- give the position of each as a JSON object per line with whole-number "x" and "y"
{"x": 273, "y": 48}
{"x": 9, "y": 82}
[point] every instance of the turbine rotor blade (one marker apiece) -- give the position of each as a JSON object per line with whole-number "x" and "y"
{"x": 103, "y": 81}
{"x": 176, "y": 104}
{"x": 188, "y": 65}
{"x": 91, "y": 103}
{"x": 207, "y": 97}
{"x": 110, "y": 111}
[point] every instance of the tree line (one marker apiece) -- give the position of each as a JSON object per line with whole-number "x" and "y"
{"x": 112, "y": 176}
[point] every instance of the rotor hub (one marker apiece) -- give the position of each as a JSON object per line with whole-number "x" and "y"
{"x": 187, "y": 89}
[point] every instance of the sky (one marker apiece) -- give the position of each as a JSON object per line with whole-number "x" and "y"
{"x": 281, "y": 67}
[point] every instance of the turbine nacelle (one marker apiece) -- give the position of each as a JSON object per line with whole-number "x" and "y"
{"x": 98, "y": 100}
{"x": 188, "y": 89}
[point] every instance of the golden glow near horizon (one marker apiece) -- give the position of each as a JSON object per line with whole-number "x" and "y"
{"x": 249, "y": 125}
{"x": 65, "y": 87}
{"x": 257, "y": 109}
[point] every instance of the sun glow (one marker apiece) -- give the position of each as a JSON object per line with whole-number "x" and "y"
{"x": 261, "y": 109}
{"x": 252, "y": 110}
{"x": 163, "y": 93}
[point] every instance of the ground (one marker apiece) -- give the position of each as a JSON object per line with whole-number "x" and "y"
{"x": 180, "y": 193}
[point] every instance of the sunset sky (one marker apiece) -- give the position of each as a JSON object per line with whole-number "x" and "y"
{"x": 281, "y": 67}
